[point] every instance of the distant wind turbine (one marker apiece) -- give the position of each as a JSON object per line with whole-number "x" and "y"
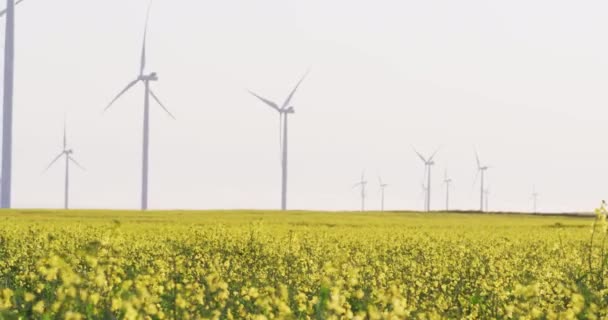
{"x": 428, "y": 164}
{"x": 145, "y": 79}
{"x": 535, "y": 196}
{"x": 362, "y": 183}
{"x": 284, "y": 111}
{"x": 481, "y": 170}
{"x": 7, "y": 104}
{"x": 448, "y": 182}
{"x": 68, "y": 154}
{"x": 383, "y": 186}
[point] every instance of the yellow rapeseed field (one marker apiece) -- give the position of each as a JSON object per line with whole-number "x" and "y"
{"x": 300, "y": 265}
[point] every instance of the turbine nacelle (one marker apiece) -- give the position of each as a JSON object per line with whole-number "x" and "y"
{"x": 289, "y": 110}
{"x": 151, "y": 77}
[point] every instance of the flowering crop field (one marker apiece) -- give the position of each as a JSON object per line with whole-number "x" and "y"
{"x": 300, "y": 265}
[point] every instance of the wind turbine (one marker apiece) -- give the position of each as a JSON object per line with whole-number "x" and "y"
{"x": 481, "y": 169}
{"x": 145, "y": 78}
{"x": 67, "y": 153}
{"x": 448, "y": 182}
{"x": 7, "y": 104}
{"x": 284, "y": 111}
{"x": 382, "y": 189}
{"x": 534, "y": 198}
{"x": 428, "y": 164}
{"x": 362, "y": 183}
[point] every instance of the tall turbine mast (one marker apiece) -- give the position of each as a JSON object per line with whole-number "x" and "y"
{"x": 428, "y": 164}
{"x": 448, "y": 183}
{"x": 7, "y": 107}
{"x": 7, "y": 104}
{"x": 284, "y": 111}
{"x": 362, "y": 183}
{"x": 534, "y": 199}
{"x": 145, "y": 78}
{"x": 481, "y": 170}
{"x": 382, "y": 189}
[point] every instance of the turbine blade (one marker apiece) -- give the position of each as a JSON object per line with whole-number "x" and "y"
{"x": 161, "y": 104}
{"x": 76, "y": 163}
{"x": 266, "y": 101}
{"x": 142, "y": 65}
{"x": 476, "y": 177}
{"x": 477, "y": 158}
{"x": 288, "y": 100}
{"x": 3, "y": 12}
{"x": 420, "y": 156}
{"x": 53, "y": 162}
{"x": 434, "y": 154}
{"x": 129, "y": 86}
{"x": 423, "y": 192}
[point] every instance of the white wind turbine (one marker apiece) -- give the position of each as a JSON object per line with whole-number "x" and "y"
{"x": 68, "y": 154}
{"x": 448, "y": 183}
{"x": 481, "y": 170}
{"x": 383, "y": 187}
{"x": 535, "y": 196}
{"x": 428, "y": 164}
{"x": 145, "y": 79}
{"x": 284, "y": 111}
{"x": 362, "y": 183}
{"x": 7, "y": 104}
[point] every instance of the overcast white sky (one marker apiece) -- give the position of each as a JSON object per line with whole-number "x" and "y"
{"x": 524, "y": 82}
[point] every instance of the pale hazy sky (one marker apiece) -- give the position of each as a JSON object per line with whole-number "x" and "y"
{"x": 524, "y": 82}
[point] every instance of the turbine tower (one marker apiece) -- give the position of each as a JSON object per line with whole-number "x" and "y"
{"x": 67, "y": 153}
{"x": 382, "y": 189}
{"x": 481, "y": 170}
{"x": 362, "y": 183}
{"x": 7, "y": 104}
{"x": 534, "y": 199}
{"x": 448, "y": 182}
{"x": 428, "y": 164}
{"x": 284, "y": 111}
{"x": 145, "y": 78}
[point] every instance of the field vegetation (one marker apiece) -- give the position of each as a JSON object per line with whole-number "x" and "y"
{"x": 300, "y": 265}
